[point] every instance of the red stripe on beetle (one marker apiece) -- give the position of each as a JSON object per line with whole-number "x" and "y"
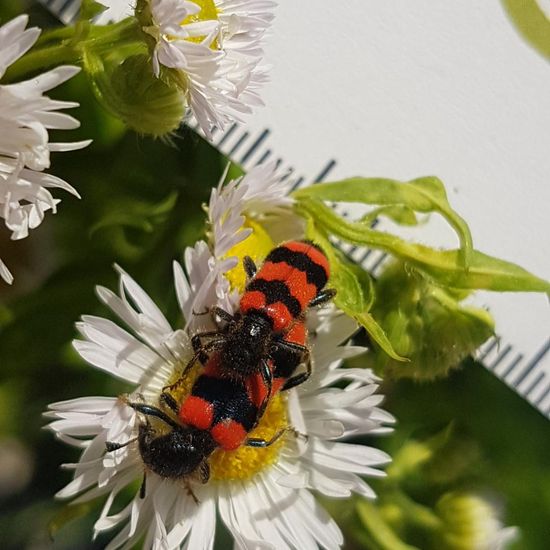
{"x": 297, "y": 334}
{"x": 228, "y": 434}
{"x": 314, "y": 254}
{"x": 295, "y": 279}
{"x": 197, "y": 412}
{"x": 279, "y": 315}
{"x": 252, "y": 300}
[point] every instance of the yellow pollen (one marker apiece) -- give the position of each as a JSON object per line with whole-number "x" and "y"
{"x": 207, "y": 12}
{"x": 257, "y": 245}
{"x": 246, "y": 462}
{"x": 180, "y": 387}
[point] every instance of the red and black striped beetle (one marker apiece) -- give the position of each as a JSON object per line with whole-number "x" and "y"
{"x": 219, "y": 412}
{"x": 291, "y": 280}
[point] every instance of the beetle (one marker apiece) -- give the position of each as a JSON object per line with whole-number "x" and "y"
{"x": 276, "y": 298}
{"x": 219, "y": 412}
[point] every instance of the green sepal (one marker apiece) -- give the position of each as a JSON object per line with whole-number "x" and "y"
{"x": 444, "y": 266}
{"x": 90, "y": 9}
{"x": 354, "y": 289}
{"x": 425, "y": 323}
{"x": 424, "y": 195}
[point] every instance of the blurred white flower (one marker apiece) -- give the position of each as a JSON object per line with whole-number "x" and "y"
{"x": 472, "y": 521}
{"x": 26, "y": 115}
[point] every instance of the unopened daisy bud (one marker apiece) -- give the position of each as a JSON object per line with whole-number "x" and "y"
{"x": 471, "y": 523}
{"x": 146, "y": 104}
{"x": 425, "y": 323}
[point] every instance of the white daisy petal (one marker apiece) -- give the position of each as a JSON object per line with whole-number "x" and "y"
{"x": 26, "y": 115}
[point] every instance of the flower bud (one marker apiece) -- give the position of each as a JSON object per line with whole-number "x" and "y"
{"x": 470, "y": 523}
{"x": 147, "y": 104}
{"x": 425, "y": 323}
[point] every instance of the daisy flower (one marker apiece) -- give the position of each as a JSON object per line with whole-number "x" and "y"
{"x": 264, "y": 496}
{"x": 26, "y": 115}
{"x": 214, "y": 49}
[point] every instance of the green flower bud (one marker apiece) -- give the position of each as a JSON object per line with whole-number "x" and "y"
{"x": 425, "y": 323}
{"x": 470, "y": 523}
{"x": 145, "y": 103}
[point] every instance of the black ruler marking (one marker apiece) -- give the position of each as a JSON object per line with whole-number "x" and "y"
{"x": 288, "y": 173}
{"x": 325, "y": 171}
{"x": 503, "y": 353}
{"x": 533, "y": 385}
{"x": 378, "y": 262}
{"x": 511, "y": 366}
{"x": 542, "y": 396}
{"x": 493, "y": 342}
{"x": 297, "y": 183}
{"x": 255, "y": 144}
{"x": 226, "y": 135}
{"x": 532, "y": 364}
{"x": 238, "y": 143}
{"x": 264, "y": 157}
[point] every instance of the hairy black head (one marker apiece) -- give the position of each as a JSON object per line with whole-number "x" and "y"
{"x": 177, "y": 453}
{"x": 247, "y": 344}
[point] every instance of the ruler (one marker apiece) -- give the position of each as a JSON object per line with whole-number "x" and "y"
{"x": 407, "y": 89}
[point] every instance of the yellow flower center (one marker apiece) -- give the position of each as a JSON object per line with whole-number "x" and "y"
{"x": 257, "y": 245}
{"x": 208, "y": 12}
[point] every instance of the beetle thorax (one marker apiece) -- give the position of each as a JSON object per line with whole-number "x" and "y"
{"x": 247, "y": 344}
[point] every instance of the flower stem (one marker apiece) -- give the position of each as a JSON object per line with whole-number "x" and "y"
{"x": 384, "y": 536}
{"x": 416, "y": 513}
{"x": 65, "y": 45}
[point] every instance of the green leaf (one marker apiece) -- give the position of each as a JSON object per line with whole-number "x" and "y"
{"x": 402, "y": 215}
{"x": 532, "y": 22}
{"x": 378, "y": 528}
{"x": 484, "y": 272}
{"x": 354, "y": 289}
{"x": 445, "y": 266}
{"x": 89, "y": 9}
{"x": 425, "y": 194}
{"x": 126, "y": 223}
{"x": 376, "y": 332}
{"x": 67, "y": 514}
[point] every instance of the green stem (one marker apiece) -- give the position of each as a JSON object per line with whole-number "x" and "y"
{"x": 69, "y": 49}
{"x": 418, "y": 514}
{"x": 384, "y": 536}
{"x": 57, "y": 33}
